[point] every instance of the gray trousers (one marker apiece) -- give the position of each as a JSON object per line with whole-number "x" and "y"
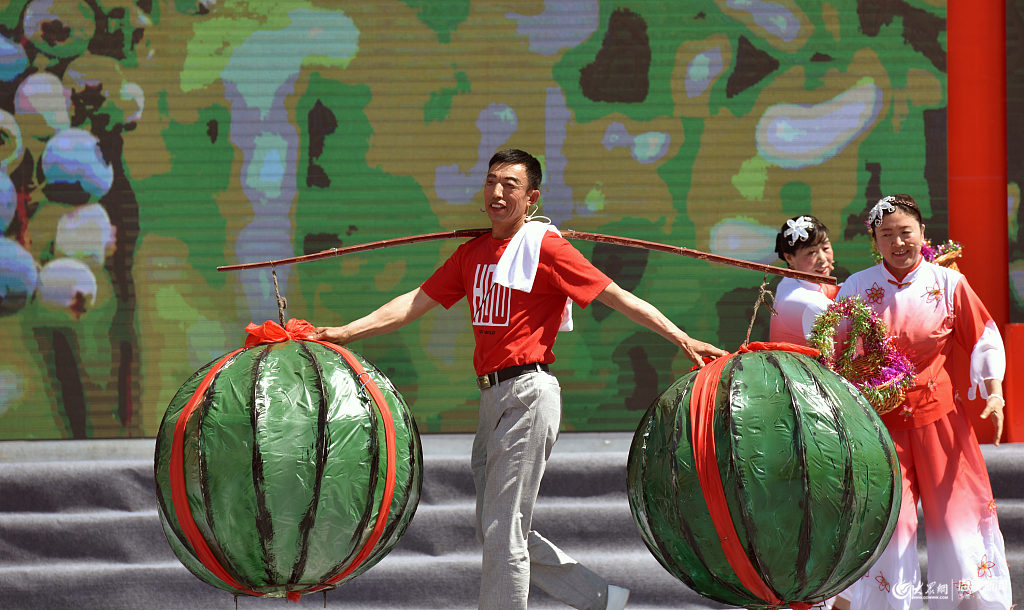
{"x": 519, "y": 420}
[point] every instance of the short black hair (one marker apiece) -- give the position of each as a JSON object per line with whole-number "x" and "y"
{"x": 514, "y": 156}
{"x": 816, "y": 233}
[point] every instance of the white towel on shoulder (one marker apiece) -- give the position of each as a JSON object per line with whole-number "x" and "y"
{"x": 517, "y": 267}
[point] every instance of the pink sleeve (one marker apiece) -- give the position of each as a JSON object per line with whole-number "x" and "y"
{"x": 976, "y": 331}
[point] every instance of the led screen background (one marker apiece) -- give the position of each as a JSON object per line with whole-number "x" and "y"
{"x": 161, "y": 139}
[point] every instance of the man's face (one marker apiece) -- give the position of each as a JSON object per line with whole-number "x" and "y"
{"x": 507, "y": 196}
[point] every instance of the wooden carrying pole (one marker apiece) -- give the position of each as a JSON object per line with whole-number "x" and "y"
{"x": 568, "y": 234}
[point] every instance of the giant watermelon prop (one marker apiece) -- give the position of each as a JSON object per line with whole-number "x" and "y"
{"x": 764, "y": 480}
{"x": 286, "y": 467}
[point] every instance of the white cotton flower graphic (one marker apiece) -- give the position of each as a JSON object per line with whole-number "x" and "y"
{"x": 86, "y": 232}
{"x": 67, "y": 284}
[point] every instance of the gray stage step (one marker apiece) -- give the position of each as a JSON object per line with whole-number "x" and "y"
{"x": 79, "y": 529}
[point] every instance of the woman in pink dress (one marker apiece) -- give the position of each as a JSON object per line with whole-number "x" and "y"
{"x": 927, "y": 308}
{"x": 803, "y": 243}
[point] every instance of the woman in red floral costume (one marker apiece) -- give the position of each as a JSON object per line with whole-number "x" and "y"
{"x": 927, "y": 308}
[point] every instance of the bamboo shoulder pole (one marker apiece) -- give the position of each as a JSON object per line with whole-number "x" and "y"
{"x": 372, "y": 245}
{"x": 568, "y": 234}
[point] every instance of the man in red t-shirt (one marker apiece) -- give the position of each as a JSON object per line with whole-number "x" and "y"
{"x": 520, "y": 401}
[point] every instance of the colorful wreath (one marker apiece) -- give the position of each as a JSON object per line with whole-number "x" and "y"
{"x": 883, "y": 373}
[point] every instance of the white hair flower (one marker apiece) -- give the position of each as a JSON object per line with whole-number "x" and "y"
{"x": 884, "y": 205}
{"x": 798, "y": 229}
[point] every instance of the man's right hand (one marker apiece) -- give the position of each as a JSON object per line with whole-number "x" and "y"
{"x": 698, "y": 351}
{"x": 394, "y": 315}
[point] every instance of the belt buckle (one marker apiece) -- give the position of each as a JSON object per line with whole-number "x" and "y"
{"x": 483, "y": 382}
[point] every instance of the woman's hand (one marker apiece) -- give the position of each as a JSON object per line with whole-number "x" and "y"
{"x": 994, "y": 406}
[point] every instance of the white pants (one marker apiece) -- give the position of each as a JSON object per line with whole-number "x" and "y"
{"x": 519, "y": 420}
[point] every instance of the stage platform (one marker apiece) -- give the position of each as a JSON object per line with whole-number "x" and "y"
{"x": 79, "y": 529}
{"x": 142, "y": 448}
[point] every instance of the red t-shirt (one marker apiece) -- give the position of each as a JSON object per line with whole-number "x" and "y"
{"x": 512, "y": 327}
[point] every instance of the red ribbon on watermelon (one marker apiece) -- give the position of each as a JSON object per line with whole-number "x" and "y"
{"x": 271, "y": 332}
{"x": 179, "y": 491}
{"x": 702, "y": 422}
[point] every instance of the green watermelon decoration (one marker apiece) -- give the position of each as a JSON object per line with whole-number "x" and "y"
{"x": 286, "y": 467}
{"x": 764, "y": 479}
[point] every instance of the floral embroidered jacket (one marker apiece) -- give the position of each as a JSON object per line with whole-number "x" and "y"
{"x": 930, "y": 308}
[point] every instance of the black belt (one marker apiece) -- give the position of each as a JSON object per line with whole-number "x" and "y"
{"x": 492, "y": 379}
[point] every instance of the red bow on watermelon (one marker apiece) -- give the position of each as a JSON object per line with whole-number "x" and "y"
{"x": 271, "y": 332}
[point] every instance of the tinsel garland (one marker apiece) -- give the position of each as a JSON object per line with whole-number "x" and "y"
{"x": 890, "y": 372}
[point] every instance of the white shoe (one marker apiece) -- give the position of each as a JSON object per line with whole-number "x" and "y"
{"x": 617, "y": 597}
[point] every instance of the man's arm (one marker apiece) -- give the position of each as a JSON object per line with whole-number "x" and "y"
{"x": 648, "y": 316}
{"x": 394, "y": 315}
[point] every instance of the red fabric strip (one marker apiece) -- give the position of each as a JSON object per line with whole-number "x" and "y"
{"x": 705, "y": 457}
{"x": 763, "y": 346}
{"x": 702, "y": 421}
{"x": 179, "y": 493}
{"x": 829, "y": 290}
